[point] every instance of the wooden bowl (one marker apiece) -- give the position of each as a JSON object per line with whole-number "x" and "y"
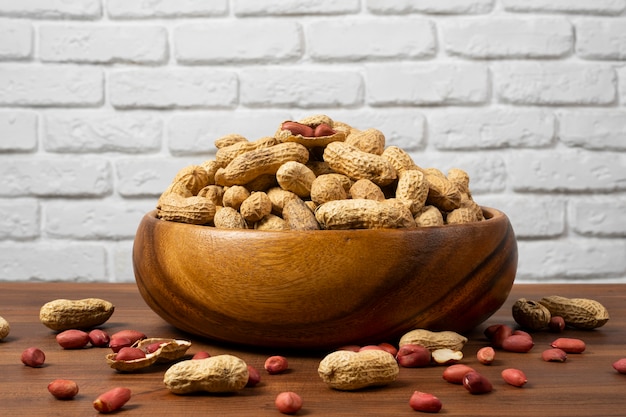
{"x": 324, "y": 288}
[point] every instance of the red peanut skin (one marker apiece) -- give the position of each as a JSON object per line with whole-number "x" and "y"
{"x": 288, "y": 402}
{"x": 620, "y": 365}
{"x": 514, "y": 377}
{"x": 323, "y": 130}
{"x": 389, "y": 348}
{"x": 276, "y": 365}
{"x": 254, "y": 377}
{"x": 413, "y": 356}
{"x": 99, "y": 338}
{"x": 132, "y": 335}
{"x": 521, "y": 333}
{"x": 425, "y": 402}
{"x": 554, "y": 355}
{"x": 490, "y": 331}
{"x": 63, "y": 389}
{"x": 517, "y": 343}
{"x": 72, "y": 339}
{"x": 370, "y": 347}
{"x": 33, "y": 357}
{"x": 298, "y": 129}
{"x": 117, "y": 342}
{"x": 455, "y": 373}
{"x": 486, "y": 355}
{"x": 556, "y": 324}
{"x": 112, "y": 400}
{"x": 475, "y": 383}
{"x": 569, "y": 345}
{"x": 129, "y": 354}
{"x": 500, "y": 335}
{"x": 201, "y": 355}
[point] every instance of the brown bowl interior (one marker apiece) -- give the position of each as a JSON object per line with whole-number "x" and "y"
{"x": 322, "y": 289}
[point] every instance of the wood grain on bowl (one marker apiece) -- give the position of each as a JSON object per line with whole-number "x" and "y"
{"x": 324, "y": 288}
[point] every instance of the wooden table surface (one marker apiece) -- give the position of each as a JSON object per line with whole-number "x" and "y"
{"x": 585, "y": 385}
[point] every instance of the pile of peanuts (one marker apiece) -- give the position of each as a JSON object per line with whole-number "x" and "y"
{"x": 316, "y": 173}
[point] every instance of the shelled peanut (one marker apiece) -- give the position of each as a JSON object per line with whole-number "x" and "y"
{"x": 333, "y": 176}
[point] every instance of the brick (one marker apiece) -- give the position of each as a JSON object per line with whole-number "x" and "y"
{"x": 554, "y": 83}
{"x": 507, "y": 37}
{"x": 195, "y": 134}
{"x": 300, "y": 87}
{"x": 593, "y": 129}
{"x": 424, "y": 84}
{"x": 19, "y": 131}
{"x": 173, "y": 88}
{"x": 103, "y": 44}
{"x": 80, "y": 132}
{"x": 19, "y": 219}
{"x": 601, "y": 39}
{"x": 580, "y": 258}
{"x": 95, "y": 219}
{"x": 487, "y": 171}
{"x": 294, "y": 7}
{"x": 76, "y": 177}
{"x": 23, "y": 85}
{"x": 52, "y": 9}
{"x": 402, "y": 127}
{"x": 16, "y": 39}
{"x": 148, "y": 177}
{"x": 491, "y": 128}
{"x": 601, "y": 216}
{"x": 621, "y": 73}
{"x": 531, "y": 217}
{"x": 567, "y": 170}
{"x": 136, "y": 9}
{"x": 122, "y": 262}
{"x": 248, "y": 41}
{"x": 370, "y": 38}
{"x": 430, "y": 6}
{"x": 53, "y": 261}
{"x": 600, "y": 7}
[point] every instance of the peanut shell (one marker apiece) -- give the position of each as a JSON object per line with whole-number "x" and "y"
{"x": 347, "y": 370}
{"x": 5, "y": 328}
{"x": 63, "y": 314}
{"x": 531, "y": 315}
{"x": 434, "y": 340}
{"x": 216, "y": 374}
{"x": 363, "y": 214}
{"x": 354, "y": 163}
{"x": 168, "y": 351}
{"x": 581, "y": 313}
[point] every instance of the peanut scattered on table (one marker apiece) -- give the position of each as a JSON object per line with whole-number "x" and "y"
{"x": 5, "y": 328}
{"x": 347, "y": 370}
{"x": 63, "y": 389}
{"x": 62, "y": 314}
{"x": 581, "y": 313}
{"x": 221, "y": 373}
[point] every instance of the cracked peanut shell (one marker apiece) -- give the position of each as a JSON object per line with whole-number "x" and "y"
{"x": 168, "y": 350}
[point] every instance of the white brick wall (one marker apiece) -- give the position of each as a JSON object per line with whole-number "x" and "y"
{"x": 103, "y": 101}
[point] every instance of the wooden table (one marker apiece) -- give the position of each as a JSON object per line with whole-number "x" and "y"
{"x": 584, "y": 385}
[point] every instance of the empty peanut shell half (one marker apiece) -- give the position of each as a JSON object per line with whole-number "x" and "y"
{"x": 157, "y": 350}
